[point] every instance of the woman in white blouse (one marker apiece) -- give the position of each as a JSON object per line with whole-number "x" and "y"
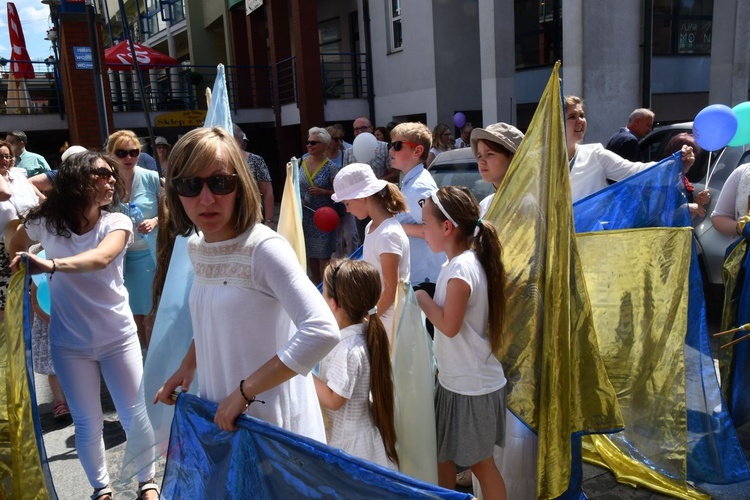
{"x": 590, "y": 164}
{"x": 258, "y": 321}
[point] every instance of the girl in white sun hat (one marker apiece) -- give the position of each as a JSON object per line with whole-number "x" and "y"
{"x": 386, "y": 245}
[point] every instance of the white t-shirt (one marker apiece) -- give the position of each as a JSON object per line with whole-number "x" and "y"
{"x": 388, "y": 237}
{"x": 22, "y": 200}
{"x": 87, "y": 309}
{"x": 250, "y": 301}
{"x": 466, "y": 364}
{"x": 592, "y": 165}
{"x": 484, "y": 205}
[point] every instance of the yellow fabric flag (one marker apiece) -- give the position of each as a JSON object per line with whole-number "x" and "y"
{"x": 290, "y": 214}
{"x": 21, "y": 474}
{"x": 556, "y": 379}
{"x": 639, "y": 296}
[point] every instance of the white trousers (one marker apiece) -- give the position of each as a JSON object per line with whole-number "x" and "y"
{"x": 79, "y": 372}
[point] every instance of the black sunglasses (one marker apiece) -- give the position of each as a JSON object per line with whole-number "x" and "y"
{"x": 122, "y": 153}
{"x": 397, "y": 145}
{"x": 312, "y": 143}
{"x": 217, "y": 184}
{"x": 103, "y": 172}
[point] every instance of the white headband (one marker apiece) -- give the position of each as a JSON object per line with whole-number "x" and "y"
{"x": 434, "y": 198}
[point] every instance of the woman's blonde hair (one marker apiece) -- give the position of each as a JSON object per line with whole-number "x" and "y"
{"x": 198, "y": 149}
{"x": 118, "y": 139}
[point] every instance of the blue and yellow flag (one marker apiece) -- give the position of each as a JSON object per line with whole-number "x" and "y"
{"x": 557, "y": 382}
{"x": 735, "y": 361}
{"x": 261, "y": 460}
{"x": 24, "y": 471}
{"x": 650, "y": 316}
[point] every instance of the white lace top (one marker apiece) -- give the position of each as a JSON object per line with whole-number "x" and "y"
{"x": 248, "y": 294}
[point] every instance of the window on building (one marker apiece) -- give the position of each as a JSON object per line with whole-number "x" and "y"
{"x": 395, "y": 41}
{"x": 538, "y": 32}
{"x": 683, "y": 26}
{"x": 329, "y": 36}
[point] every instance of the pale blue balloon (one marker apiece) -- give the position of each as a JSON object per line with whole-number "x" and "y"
{"x": 42, "y": 296}
{"x": 38, "y": 278}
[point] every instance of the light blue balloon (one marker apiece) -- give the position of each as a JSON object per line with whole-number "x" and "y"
{"x": 42, "y": 296}
{"x": 714, "y": 127}
{"x": 38, "y": 278}
{"x": 742, "y": 112}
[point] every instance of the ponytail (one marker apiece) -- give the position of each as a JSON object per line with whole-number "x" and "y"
{"x": 489, "y": 252}
{"x": 355, "y": 286}
{"x": 381, "y": 384}
{"x": 481, "y": 237}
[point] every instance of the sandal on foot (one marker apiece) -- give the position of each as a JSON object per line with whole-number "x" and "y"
{"x": 61, "y": 411}
{"x": 102, "y": 493}
{"x": 148, "y": 486}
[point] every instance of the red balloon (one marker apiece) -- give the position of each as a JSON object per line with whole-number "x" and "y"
{"x": 326, "y": 219}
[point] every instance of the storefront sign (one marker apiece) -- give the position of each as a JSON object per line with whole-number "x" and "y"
{"x": 189, "y": 118}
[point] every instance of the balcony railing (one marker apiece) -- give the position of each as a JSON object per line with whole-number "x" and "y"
{"x": 184, "y": 87}
{"x": 344, "y": 77}
{"x": 38, "y": 95}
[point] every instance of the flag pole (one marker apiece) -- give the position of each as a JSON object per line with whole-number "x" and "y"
{"x": 141, "y": 87}
{"x": 101, "y": 106}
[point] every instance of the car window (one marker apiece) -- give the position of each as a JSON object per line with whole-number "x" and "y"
{"x": 462, "y": 174}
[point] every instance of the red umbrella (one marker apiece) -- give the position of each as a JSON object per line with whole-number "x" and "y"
{"x": 118, "y": 56}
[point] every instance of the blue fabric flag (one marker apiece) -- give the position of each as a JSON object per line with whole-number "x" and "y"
{"x": 219, "y": 114}
{"x": 261, "y": 460}
{"x": 656, "y": 198}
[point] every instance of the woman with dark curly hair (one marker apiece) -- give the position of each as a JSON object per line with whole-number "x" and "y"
{"x": 92, "y": 332}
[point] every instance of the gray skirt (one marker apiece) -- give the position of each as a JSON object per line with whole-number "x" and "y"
{"x": 468, "y": 427}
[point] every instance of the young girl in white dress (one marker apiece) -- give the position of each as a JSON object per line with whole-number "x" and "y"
{"x": 358, "y": 366}
{"x": 467, "y": 312}
{"x": 258, "y": 321}
{"x": 386, "y": 245}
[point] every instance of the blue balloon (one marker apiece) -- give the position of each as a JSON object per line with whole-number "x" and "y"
{"x": 42, "y": 296}
{"x": 714, "y": 127}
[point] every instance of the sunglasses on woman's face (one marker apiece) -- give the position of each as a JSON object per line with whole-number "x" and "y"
{"x": 312, "y": 143}
{"x": 122, "y": 153}
{"x": 397, "y": 145}
{"x": 217, "y": 184}
{"x": 103, "y": 173}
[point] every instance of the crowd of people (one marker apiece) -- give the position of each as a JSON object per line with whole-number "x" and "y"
{"x": 258, "y": 319}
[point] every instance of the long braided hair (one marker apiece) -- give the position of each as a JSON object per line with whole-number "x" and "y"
{"x": 355, "y": 286}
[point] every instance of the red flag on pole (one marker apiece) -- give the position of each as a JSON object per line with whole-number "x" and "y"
{"x": 20, "y": 64}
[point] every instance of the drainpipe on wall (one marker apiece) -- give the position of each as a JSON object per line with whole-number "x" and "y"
{"x": 368, "y": 65}
{"x": 648, "y": 37}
